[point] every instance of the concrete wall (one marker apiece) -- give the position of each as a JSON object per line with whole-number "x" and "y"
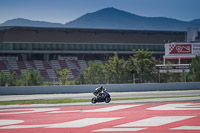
{"x": 90, "y": 88}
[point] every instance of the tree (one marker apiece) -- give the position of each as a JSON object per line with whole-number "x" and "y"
{"x": 12, "y": 79}
{"x": 93, "y": 74}
{"x": 31, "y": 78}
{"x": 115, "y": 69}
{"x": 195, "y": 69}
{"x": 63, "y": 76}
{"x": 144, "y": 65}
{"x": 9, "y": 79}
{"x": 131, "y": 68}
{"x": 3, "y": 79}
{"x": 174, "y": 77}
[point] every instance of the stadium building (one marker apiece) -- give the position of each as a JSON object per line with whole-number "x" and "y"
{"x": 50, "y": 49}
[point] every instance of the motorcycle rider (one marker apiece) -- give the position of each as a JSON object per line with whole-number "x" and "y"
{"x": 99, "y": 91}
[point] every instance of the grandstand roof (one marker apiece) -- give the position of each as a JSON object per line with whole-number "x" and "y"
{"x": 80, "y": 35}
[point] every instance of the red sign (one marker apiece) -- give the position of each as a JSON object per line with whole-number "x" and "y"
{"x": 180, "y": 48}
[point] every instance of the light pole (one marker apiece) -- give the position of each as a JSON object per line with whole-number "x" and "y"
{"x": 133, "y": 78}
{"x": 26, "y": 80}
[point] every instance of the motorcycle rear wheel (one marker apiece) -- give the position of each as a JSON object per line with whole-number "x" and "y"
{"x": 94, "y": 100}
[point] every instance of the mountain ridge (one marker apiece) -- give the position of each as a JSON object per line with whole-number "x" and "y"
{"x": 27, "y": 22}
{"x": 112, "y": 18}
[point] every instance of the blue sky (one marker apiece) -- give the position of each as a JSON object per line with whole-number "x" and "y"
{"x": 62, "y": 11}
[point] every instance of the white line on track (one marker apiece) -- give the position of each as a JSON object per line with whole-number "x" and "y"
{"x": 177, "y": 106}
{"x": 82, "y": 123}
{"x": 106, "y": 109}
{"x": 187, "y": 128}
{"x": 155, "y": 121}
{"x": 118, "y": 129}
{"x": 9, "y": 122}
{"x": 71, "y": 124}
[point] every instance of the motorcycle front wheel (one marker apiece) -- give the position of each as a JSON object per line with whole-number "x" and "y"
{"x": 107, "y": 100}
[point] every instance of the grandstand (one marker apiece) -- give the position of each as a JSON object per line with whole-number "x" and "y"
{"x": 50, "y": 49}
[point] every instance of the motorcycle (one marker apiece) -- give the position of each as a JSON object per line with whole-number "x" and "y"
{"x": 104, "y": 97}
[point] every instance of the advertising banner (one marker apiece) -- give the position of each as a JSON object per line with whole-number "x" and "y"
{"x": 196, "y": 49}
{"x": 182, "y": 48}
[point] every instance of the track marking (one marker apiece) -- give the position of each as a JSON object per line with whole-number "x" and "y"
{"x": 155, "y": 121}
{"x": 124, "y": 118}
{"x": 9, "y": 122}
{"x": 22, "y": 126}
{"x": 187, "y": 128}
{"x": 177, "y": 106}
{"x": 118, "y": 129}
{"x": 71, "y": 124}
{"x": 31, "y": 110}
{"x": 106, "y": 109}
{"x": 82, "y": 123}
{"x": 113, "y": 108}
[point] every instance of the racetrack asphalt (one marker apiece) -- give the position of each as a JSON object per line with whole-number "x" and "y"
{"x": 159, "y": 117}
{"x": 179, "y": 99}
{"x": 113, "y": 95}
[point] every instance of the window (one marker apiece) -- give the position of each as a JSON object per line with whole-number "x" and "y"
{"x": 28, "y": 46}
{"x": 59, "y": 47}
{"x": 98, "y": 47}
{"x": 42, "y": 47}
{"x": 47, "y": 46}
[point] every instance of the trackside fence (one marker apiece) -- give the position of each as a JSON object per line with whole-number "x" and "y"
{"x": 23, "y": 90}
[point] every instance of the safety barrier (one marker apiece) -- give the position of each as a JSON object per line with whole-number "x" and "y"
{"x": 22, "y": 90}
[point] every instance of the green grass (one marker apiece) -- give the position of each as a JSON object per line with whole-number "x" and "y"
{"x": 44, "y": 101}
{"x": 68, "y": 100}
{"x": 140, "y": 98}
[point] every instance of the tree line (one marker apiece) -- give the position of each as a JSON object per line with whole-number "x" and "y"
{"x": 28, "y": 78}
{"x": 139, "y": 68}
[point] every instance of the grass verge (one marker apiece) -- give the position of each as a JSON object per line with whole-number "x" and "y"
{"x": 68, "y": 100}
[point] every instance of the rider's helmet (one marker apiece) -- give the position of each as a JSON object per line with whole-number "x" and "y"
{"x": 101, "y": 88}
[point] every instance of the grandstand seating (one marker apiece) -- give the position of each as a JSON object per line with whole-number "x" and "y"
{"x": 51, "y": 73}
{"x": 47, "y": 69}
{"x": 38, "y": 64}
{"x": 75, "y": 62}
{"x": 28, "y": 66}
{"x": 82, "y": 64}
{"x": 44, "y": 74}
{"x": 46, "y": 65}
{"x": 17, "y": 72}
{"x": 21, "y": 65}
{"x": 71, "y": 76}
{"x": 32, "y": 64}
{"x": 13, "y": 64}
{"x": 6, "y": 72}
{"x": 70, "y": 64}
{"x": 75, "y": 72}
{"x": 63, "y": 64}
{"x": 3, "y": 65}
{"x": 55, "y": 64}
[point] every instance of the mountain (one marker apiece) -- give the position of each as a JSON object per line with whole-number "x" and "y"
{"x": 105, "y": 18}
{"x": 26, "y": 22}
{"x": 195, "y": 21}
{"x": 117, "y": 19}
{"x": 112, "y": 18}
